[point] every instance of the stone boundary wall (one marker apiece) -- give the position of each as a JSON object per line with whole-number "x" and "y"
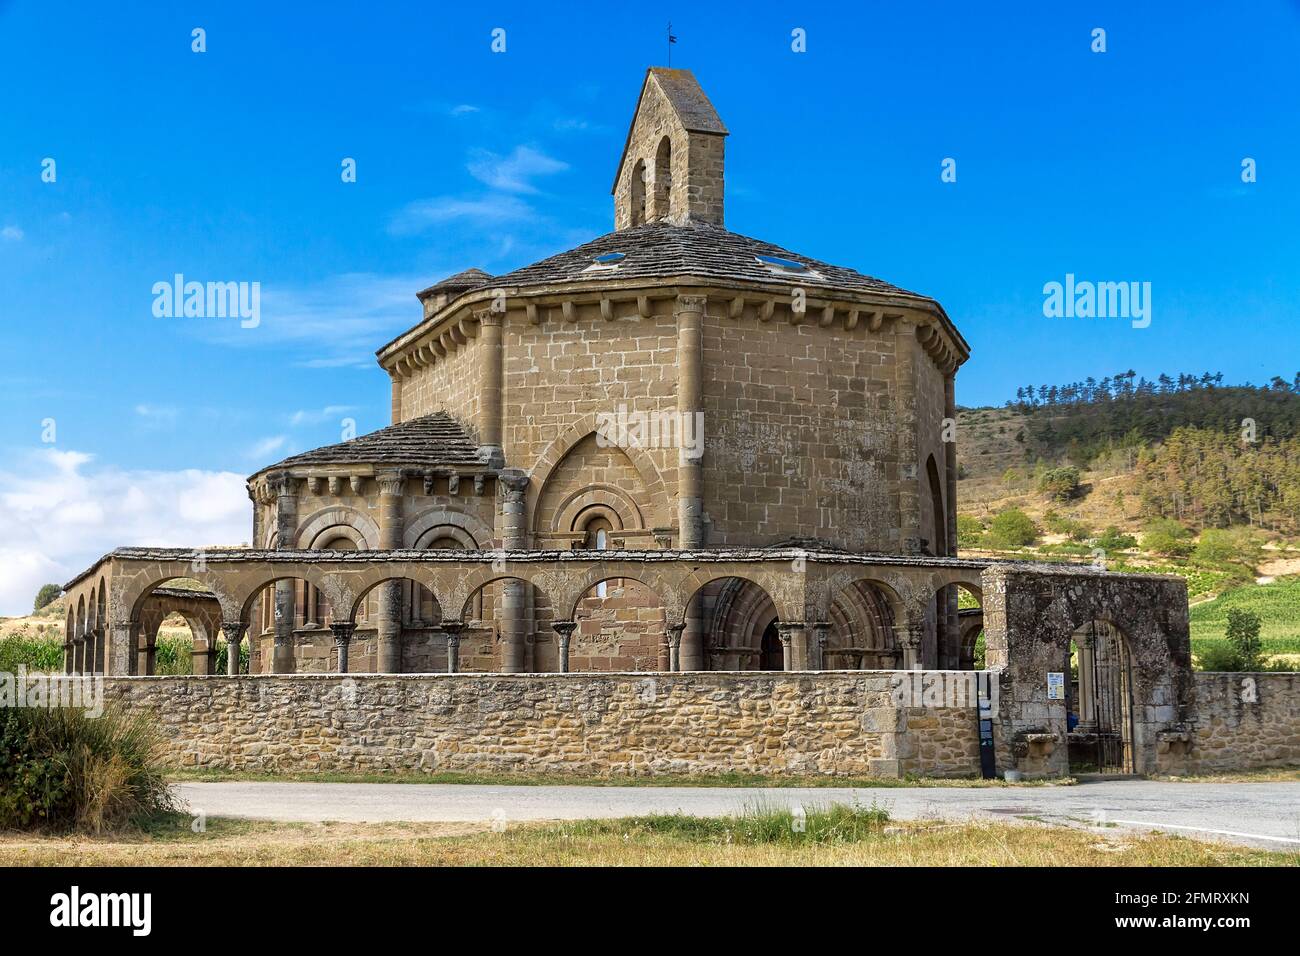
{"x": 844, "y": 723}
{"x": 1239, "y": 722}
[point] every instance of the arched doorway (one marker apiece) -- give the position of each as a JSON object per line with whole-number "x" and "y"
{"x": 1099, "y": 700}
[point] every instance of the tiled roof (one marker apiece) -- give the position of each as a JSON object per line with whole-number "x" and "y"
{"x": 687, "y": 97}
{"x": 659, "y": 249}
{"x": 467, "y": 279}
{"x": 436, "y": 439}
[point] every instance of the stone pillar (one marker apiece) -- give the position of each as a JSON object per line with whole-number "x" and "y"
{"x": 817, "y": 645}
{"x": 452, "y": 629}
{"x": 100, "y": 647}
{"x": 950, "y": 466}
{"x": 389, "y": 625}
{"x": 1086, "y": 646}
{"x": 120, "y": 649}
{"x": 69, "y": 654}
{"x": 675, "y": 646}
{"x": 78, "y": 654}
{"x": 516, "y": 598}
{"x": 564, "y": 631}
{"x": 689, "y": 311}
{"x": 910, "y": 638}
{"x": 692, "y": 652}
{"x": 909, "y": 498}
{"x": 793, "y": 645}
{"x": 151, "y": 655}
{"x": 286, "y": 521}
{"x": 234, "y": 635}
{"x": 342, "y": 638}
{"x": 396, "y": 396}
{"x": 492, "y": 379}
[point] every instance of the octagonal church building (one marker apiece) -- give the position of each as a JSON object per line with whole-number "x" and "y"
{"x": 671, "y": 449}
{"x": 668, "y": 385}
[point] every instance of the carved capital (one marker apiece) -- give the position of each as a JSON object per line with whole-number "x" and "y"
{"x": 690, "y": 303}
{"x": 343, "y": 631}
{"x": 513, "y": 484}
{"x": 564, "y": 628}
{"x": 390, "y": 482}
{"x": 233, "y": 633}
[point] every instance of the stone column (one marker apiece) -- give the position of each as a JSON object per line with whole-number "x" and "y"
{"x": 817, "y": 645}
{"x": 909, "y": 499}
{"x": 452, "y": 629}
{"x": 492, "y": 378}
{"x": 69, "y": 654}
{"x": 389, "y": 625}
{"x": 564, "y": 631}
{"x": 689, "y": 311}
{"x": 910, "y": 638}
{"x": 675, "y": 646}
{"x": 286, "y": 519}
{"x": 342, "y": 638}
{"x": 692, "y": 653}
{"x": 793, "y": 644}
{"x": 516, "y": 598}
{"x": 234, "y": 635}
{"x": 120, "y": 650}
{"x": 950, "y": 465}
{"x": 1086, "y": 646}
{"x": 78, "y": 655}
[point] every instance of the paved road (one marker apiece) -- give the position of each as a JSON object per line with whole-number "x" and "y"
{"x": 1256, "y": 814}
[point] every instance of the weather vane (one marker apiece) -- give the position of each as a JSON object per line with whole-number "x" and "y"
{"x": 671, "y": 40}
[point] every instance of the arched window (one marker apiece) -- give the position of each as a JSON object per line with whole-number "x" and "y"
{"x": 597, "y": 539}
{"x": 638, "y": 193}
{"x": 663, "y": 179}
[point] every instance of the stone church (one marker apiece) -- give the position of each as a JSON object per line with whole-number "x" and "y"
{"x": 670, "y": 384}
{"x": 657, "y": 464}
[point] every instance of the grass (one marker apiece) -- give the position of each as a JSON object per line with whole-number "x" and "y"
{"x": 846, "y": 837}
{"x": 1276, "y": 603}
{"x": 1263, "y": 775}
{"x": 735, "y": 780}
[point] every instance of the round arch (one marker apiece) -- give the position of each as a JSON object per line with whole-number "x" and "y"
{"x": 657, "y": 509}
{"x": 335, "y": 521}
{"x": 470, "y": 531}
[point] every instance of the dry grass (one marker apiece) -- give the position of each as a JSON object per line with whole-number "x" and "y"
{"x": 1266, "y": 775}
{"x": 620, "y": 843}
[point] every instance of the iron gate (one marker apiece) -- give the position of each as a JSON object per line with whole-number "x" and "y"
{"x": 1112, "y": 700}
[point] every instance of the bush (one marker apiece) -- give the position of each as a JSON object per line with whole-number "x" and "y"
{"x": 1060, "y": 484}
{"x": 1012, "y": 529}
{"x": 1071, "y": 528}
{"x": 1167, "y": 537}
{"x": 969, "y": 531}
{"x": 46, "y": 596}
{"x": 1243, "y": 637}
{"x": 61, "y": 770}
{"x": 1218, "y": 547}
{"x": 37, "y": 654}
{"x": 1112, "y": 539}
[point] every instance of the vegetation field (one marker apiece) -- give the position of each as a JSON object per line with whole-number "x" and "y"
{"x": 830, "y": 837}
{"x": 1277, "y": 604}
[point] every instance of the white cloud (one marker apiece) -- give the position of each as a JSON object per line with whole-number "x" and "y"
{"x": 513, "y": 173}
{"x": 340, "y": 319}
{"x": 62, "y": 514}
{"x": 11, "y": 233}
{"x": 462, "y": 109}
{"x": 419, "y": 215}
{"x": 319, "y": 416}
{"x": 266, "y": 446}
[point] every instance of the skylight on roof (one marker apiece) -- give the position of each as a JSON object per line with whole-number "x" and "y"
{"x": 610, "y": 258}
{"x": 776, "y": 262}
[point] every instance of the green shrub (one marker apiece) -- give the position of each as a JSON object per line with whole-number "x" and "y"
{"x": 1112, "y": 539}
{"x": 969, "y": 531}
{"x": 46, "y": 596}
{"x": 1012, "y": 529}
{"x": 1243, "y": 637}
{"x": 1060, "y": 484}
{"x": 1167, "y": 537}
{"x": 62, "y": 770}
{"x": 1062, "y": 524}
{"x": 37, "y": 654}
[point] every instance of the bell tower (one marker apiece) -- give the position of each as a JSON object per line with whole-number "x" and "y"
{"x": 672, "y": 165}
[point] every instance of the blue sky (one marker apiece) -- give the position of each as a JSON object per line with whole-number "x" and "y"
{"x": 225, "y": 165}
